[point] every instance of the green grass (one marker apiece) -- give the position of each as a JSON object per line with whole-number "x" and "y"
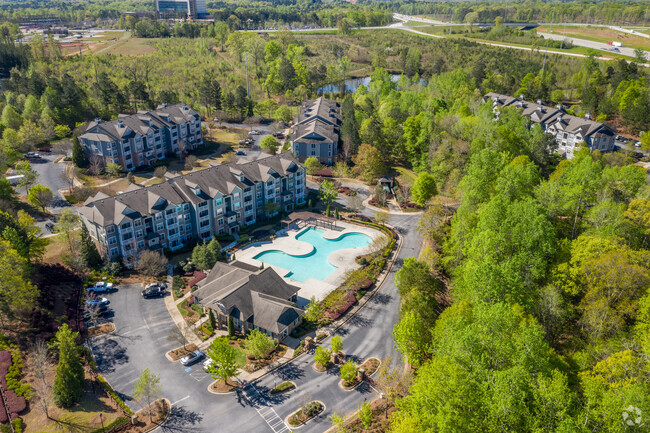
{"x": 284, "y": 386}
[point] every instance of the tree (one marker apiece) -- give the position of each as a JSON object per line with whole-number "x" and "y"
{"x": 337, "y": 344}
{"x": 66, "y": 225}
{"x": 424, "y": 188}
{"x": 146, "y": 390}
{"x": 355, "y": 203}
{"x": 365, "y": 415}
{"x": 258, "y": 344}
{"x": 271, "y": 208}
{"x": 78, "y": 155}
{"x": 40, "y": 363}
{"x": 95, "y": 165}
{"x": 393, "y": 381}
{"x": 30, "y": 175}
{"x": 381, "y": 217}
{"x": 231, "y": 328}
{"x": 283, "y": 113}
{"x": 151, "y": 263}
{"x": 322, "y": 356}
{"x": 11, "y": 118}
{"x": 226, "y": 359}
{"x": 190, "y": 162}
{"x": 40, "y": 196}
{"x": 159, "y": 172}
{"x": 411, "y": 337}
{"x": 7, "y": 192}
{"x": 16, "y": 292}
{"x": 369, "y": 162}
{"x": 327, "y": 192}
{"x": 113, "y": 169}
{"x": 312, "y": 164}
{"x": 270, "y": 144}
{"x": 349, "y": 372}
{"x": 210, "y": 91}
{"x": 338, "y": 422}
{"x": 211, "y": 319}
{"x": 68, "y": 384}
{"x": 90, "y": 257}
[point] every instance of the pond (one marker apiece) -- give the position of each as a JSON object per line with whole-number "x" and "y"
{"x": 353, "y": 84}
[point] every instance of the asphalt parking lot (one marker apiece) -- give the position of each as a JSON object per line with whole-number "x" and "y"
{"x": 143, "y": 335}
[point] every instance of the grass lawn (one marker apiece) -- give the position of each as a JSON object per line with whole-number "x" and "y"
{"x": 599, "y": 34}
{"x": 115, "y": 187}
{"x": 56, "y": 247}
{"x": 126, "y": 45}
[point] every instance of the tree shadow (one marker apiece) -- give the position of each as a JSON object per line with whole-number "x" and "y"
{"x": 381, "y": 298}
{"x": 182, "y": 420}
{"x": 289, "y": 371}
{"x": 272, "y": 398}
{"x": 364, "y": 388}
{"x": 360, "y": 321}
{"x": 109, "y": 355}
{"x": 69, "y": 424}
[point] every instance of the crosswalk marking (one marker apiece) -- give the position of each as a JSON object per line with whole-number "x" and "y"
{"x": 268, "y": 414}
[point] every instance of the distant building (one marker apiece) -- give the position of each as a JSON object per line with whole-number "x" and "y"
{"x": 194, "y": 206}
{"x": 141, "y": 139}
{"x": 193, "y": 8}
{"x": 316, "y": 131}
{"x": 568, "y": 130}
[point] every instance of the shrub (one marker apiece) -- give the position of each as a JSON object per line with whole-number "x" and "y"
{"x": 312, "y": 408}
{"x": 284, "y": 386}
{"x": 114, "y": 396}
{"x": 114, "y": 268}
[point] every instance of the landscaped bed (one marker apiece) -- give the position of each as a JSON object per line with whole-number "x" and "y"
{"x": 104, "y": 328}
{"x": 253, "y": 365}
{"x": 283, "y": 387}
{"x": 370, "y": 366}
{"x": 305, "y": 413}
{"x": 180, "y": 352}
{"x": 220, "y": 386}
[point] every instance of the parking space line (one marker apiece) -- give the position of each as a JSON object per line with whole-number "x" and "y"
{"x": 268, "y": 414}
{"x": 182, "y": 399}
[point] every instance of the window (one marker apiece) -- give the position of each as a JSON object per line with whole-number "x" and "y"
{"x": 186, "y": 206}
{"x": 112, "y": 241}
{"x": 127, "y": 236}
{"x": 218, "y": 201}
{"x": 138, "y": 234}
{"x": 203, "y": 213}
{"x": 160, "y": 227}
{"x": 169, "y": 211}
{"x": 237, "y": 205}
{"x": 140, "y": 244}
{"x": 187, "y": 217}
{"x": 188, "y": 227}
{"x": 220, "y": 221}
{"x": 113, "y": 251}
{"x": 125, "y": 226}
{"x": 138, "y": 223}
{"x": 236, "y": 196}
{"x": 179, "y": 208}
{"x": 171, "y": 222}
{"x": 110, "y": 229}
{"x": 172, "y": 232}
{"x": 162, "y": 236}
{"x": 203, "y": 204}
{"x": 204, "y": 223}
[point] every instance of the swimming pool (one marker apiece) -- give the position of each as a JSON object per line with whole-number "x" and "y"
{"x": 314, "y": 264}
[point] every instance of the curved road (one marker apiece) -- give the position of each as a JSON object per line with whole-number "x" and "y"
{"x": 145, "y": 333}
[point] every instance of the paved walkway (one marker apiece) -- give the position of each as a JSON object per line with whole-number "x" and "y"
{"x": 393, "y": 208}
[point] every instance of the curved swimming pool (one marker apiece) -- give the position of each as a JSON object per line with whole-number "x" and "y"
{"x": 314, "y": 264}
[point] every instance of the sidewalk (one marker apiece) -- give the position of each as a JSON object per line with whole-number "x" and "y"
{"x": 393, "y": 209}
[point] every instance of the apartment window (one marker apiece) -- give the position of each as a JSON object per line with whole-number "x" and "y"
{"x": 204, "y": 223}
{"x": 140, "y": 244}
{"x": 171, "y": 221}
{"x": 186, "y": 206}
{"x": 237, "y": 205}
{"x": 137, "y": 223}
{"x": 127, "y": 236}
{"x": 169, "y": 211}
{"x": 236, "y": 196}
{"x": 220, "y": 221}
{"x": 219, "y": 211}
{"x": 218, "y": 201}
{"x": 110, "y": 229}
{"x": 188, "y": 227}
{"x": 179, "y": 208}
{"x": 172, "y": 232}
{"x": 113, "y": 251}
{"x": 138, "y": 234}
{"x": 125, "y": 226}
{"x": 160, "y": 227}
{"x": 112, "y": 241}
{"x": 313, "y": 146}
{"x": 203, "y": 213}
{"x": 203, "y": 204}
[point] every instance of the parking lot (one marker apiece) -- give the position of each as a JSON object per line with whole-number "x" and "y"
{"x": 144, "y": 333}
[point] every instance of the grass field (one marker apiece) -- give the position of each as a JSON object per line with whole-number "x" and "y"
{"x": 125, "y": 45}
{"x": 599, "y": 34}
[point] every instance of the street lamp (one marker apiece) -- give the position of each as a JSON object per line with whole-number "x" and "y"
{"x": 102, "y": 420}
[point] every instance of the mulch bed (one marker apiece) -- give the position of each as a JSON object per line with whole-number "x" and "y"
{"x": 180, "y": 352}
{"x": 260, "y": 233}
{"x": 104, "y": 328}
{"x": 221, "y": 386}
{"x": 256, "y": 364}
{"x": 349, "y": 386}
{"x": 370, "y": 366}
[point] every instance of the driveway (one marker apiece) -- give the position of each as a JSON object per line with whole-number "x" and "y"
{"x": 144, "y": 334}
{"x": 52, "y": 175}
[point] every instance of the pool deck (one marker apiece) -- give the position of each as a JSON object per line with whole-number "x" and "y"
{"x": 343, "y": 260}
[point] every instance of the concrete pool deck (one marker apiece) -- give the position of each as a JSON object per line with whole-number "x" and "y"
{"x": 343, "y": 260}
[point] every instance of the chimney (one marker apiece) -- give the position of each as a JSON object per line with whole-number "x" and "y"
{"x": 120, "y": 124}
{"x": 539, "y": 102}
{"x": 521, "y": 96}
{"x": 558, "y": 106}
{"x": 164, "y": 105}
{"x": 98, "y": 120}
{"x": 588, "y": 116}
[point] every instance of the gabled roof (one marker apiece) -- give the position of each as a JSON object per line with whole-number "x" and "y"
{"x": 260, "y": 295}
{"x": 324, "y": 109}
{"x": 315, "y": 131}
{"x": 212, "y": 181}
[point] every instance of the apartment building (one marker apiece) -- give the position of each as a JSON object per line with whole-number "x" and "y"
{"x": 140, "y": 139}
{"x": 568, "y": 130}
{"x": 316, "y": 131}
{"x": 189, "y": 8}
{"x": 194, "y": 206}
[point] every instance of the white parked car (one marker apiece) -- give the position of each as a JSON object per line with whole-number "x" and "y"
{"x": 254, "y": 132}
{"x": 98, "y": 301}
{"x": 100, "y": 287}
{"x": 207, "y": 363}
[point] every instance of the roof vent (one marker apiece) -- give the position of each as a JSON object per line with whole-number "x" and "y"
{"x": 558, "y": 106}
{"x": 521, "y": 96}
{"x": 164, "y": 105}
{"x": 185, "y": 108}
{"x": 539, "y": 102}
{"x": 120, "y": 124}
{"x": 588, "y": 116}
{"x": 98, "y": 120}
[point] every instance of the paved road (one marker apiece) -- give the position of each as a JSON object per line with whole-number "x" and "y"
{"x": 144, "y": 334}
{"x": 588, "y": 44}
{"x": 53, "y": 175}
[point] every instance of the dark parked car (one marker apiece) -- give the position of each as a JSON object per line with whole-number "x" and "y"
{"x": 154, "y": 290}
{"x": 192, "y": 357}
{"x": 240, "y": 152}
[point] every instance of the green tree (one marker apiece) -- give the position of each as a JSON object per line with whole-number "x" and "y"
{"x": 7, "y": 192}
{"x": 381, "y": 217}
{"x": 369, "y": 162}
{"x": 349, "y": 371}
{"x": 283, "y": 113}
{"x": 88, "y": 250}
{"x": 270, "y": 144}
{"x": 68, "y": 384}
{"x": 365, "y": 415}
{"x": 29, "y": 174}
{"x": 113, "y": 169}
{"x": 322, "y": 356}
{"x": 226, "y": 359}
{"x": 11, "y": 118}
{"x": 78, "y": 156}
{"x": 327, "y": 192}
{"x": 211, "y": 319}
{"x": 231, "y": 328}
{"x": 147, "y": 390}
{"x": 210, "y": 91}
{"x": 40, "y": 196}
{"x": 16, "y": 292}
{"x": 411, "y": 337}
{"x": 312, "y": 164}
{"x": 258, "y": 344}
{"x": 423, "y": 188}
{"x": 337, "y": 344}
{"x": 66, "y": 225}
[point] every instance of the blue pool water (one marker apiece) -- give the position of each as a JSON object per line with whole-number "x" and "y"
{"x": 314, "y": 264}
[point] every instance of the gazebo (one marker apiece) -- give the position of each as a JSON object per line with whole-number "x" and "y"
{"x": 302, "y": 219}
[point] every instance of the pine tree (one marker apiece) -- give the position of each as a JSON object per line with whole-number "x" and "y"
{"x": 231, "y": 328}
{"x": 68, "y": 384}
{"x": 89, "y": 255}
{"x": 336, "y": 213}
{"x": 78, "y": 156}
